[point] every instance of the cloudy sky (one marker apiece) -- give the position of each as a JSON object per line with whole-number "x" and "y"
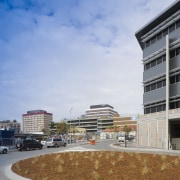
{"x": 61, "y": 54}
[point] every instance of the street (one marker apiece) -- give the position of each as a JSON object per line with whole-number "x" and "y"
{"x": 14, "y": 156}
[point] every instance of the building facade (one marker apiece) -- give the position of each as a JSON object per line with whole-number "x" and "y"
{"x": 120, "y": 122}
{"x": 102, "y": 110}
{"x": 160, "y": 42}
{"x": 36, "y": 121}
{"x": 96, "y": 119}
{"x": 10, "y": 125}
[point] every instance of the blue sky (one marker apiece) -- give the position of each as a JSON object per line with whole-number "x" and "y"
{"x": 62, "y": 54}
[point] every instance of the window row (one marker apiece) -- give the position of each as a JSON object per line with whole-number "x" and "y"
{"x": 155, "y": 62}
{"x": 157, "y": 85}
{"x": 173, "y": 53}
{"x": 175, "y": 79}
{"x": 155, "y": 109}
{"x": 159, "y": 36}
{"x": 174, "y": 105}
{"x": 154, "y": 86}
{"x": 162, "y": 107}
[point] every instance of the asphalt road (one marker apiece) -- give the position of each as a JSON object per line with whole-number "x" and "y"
{"x": 6, "y": 160}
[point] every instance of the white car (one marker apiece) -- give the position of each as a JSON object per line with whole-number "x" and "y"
{"x": 4, "y": 149}
{"x": 55, "y": 142}
{"x": 121, "y": 138}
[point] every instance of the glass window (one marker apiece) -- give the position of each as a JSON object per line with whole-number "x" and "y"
{"x": 178, "y": 24}
{"x": 147, "y": 110}
{"x": 164, "y": 107}
{"x": 164, "y": 83}
{"x": 178, "y": 78}
{"x": 148, "y": 43}
{"x": 165, "y": 32}
{"x": 144, "y": 89}
{"x": 153, "y": 63}
{"x": 159, "y": 84}
{"x": 172, "y": 27}
{"x": 172, "y": 54}
{"x": 153, "y": 40}
{"x": 153, "y": 86}
{"x": 159, "y": 108}
{"x": 159, "y": 60}
{"x": 153, "y": 109}
{"x": 178, "y": 104}
{"x": 172, "y": 105}
{"x": 147, "y": 66}
{"x": 177, "y": 51}
{"x": 147, "y": 88}
{"x": 159, "y": 36}
{"x": 164, "y": 58}
{"x": 172, "y": 80}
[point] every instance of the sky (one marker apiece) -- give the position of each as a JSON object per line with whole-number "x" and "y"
{"x": 64, "y": 55}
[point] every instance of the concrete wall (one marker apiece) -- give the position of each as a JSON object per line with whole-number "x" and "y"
{"x": 151, "y": 130}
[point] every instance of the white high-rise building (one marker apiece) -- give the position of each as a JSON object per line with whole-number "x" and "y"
{"x": 36, "y": 121}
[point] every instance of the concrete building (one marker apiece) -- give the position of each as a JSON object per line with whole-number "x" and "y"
{"x": 10, "y": 125}
{"x": 120, "y": 122}
{"x": 102, "y": 110}
{"x": 36, "y": 121}
{"x": 96, "y": 119}
{"x": 160, "y": 42}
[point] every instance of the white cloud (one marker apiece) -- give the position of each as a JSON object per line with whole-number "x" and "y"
{"x": 59, "y": 55}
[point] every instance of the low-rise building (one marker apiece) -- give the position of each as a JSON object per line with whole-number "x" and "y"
{"x": 10, "y": 125}
{"x": 120, "y": 122}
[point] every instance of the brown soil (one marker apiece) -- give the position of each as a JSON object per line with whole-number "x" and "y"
{"x": 99, "y": 165}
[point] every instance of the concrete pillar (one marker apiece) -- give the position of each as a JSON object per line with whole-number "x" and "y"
{"x": 167, "y": 92}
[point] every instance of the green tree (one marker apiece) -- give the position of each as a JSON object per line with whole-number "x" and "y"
{"x": 53, "y": 128}
{"x": 127, "y": 129}
{"x": 44, "y": 131}
{"x": 62, "y": 127}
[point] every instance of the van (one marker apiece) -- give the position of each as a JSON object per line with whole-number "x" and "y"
{"x": 55, "y": 142}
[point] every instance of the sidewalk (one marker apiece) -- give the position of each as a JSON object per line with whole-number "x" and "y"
{"x": 146, "y": 150}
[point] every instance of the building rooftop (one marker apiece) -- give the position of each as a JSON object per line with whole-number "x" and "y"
{"x": 169, "y": 11}
{"x": 100, "y": 106}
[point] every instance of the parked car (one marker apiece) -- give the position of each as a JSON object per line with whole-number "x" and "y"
{"x": 28, "y": 144}
{"x": 4, "y": 149}
{"x": 130, "y": 137}
{"x": 43, "y": 143}
{"x": 55, "y": 142}
{"x": 121, "y": 138}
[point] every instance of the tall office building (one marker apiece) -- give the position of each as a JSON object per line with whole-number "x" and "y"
{"x": 102, "y": 110}
{"x": 160, "y": 42}
{"x": 36, "y": 121}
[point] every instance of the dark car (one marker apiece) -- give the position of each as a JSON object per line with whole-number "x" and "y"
{"x": 28, "y": 144}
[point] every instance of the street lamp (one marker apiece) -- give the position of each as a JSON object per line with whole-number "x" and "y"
{"x": 70, "y": 124}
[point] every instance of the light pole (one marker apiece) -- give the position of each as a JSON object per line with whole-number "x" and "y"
{"x": 70, "y": 124}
